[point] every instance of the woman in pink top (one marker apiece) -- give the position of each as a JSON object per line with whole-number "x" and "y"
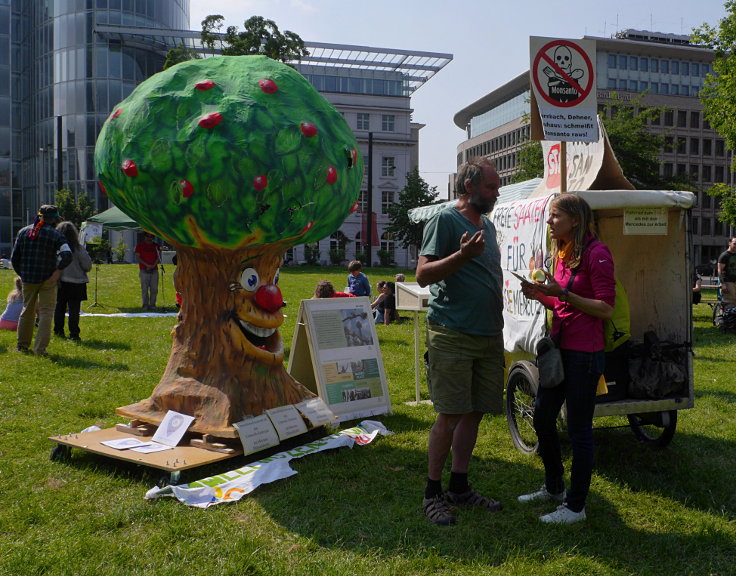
{"x": 581, "y": 295}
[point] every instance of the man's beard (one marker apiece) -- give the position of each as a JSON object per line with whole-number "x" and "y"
{"x": 481, "y": 204}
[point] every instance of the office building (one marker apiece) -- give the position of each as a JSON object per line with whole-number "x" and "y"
{"x": 64, "y": 65}
{"x": 671, "y": 71}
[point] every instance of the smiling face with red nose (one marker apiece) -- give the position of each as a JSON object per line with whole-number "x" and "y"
{"x": 256, "y": 313}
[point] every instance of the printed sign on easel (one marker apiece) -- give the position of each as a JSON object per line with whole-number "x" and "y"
{"x": 335, "y": 352}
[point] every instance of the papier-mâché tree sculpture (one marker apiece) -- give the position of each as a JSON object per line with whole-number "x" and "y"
{"x": 231, "y": 160}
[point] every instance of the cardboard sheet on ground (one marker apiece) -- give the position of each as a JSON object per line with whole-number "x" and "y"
{"x": 232, "y": 486}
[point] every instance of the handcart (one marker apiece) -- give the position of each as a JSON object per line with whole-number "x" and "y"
{"x": 648, "y": 235}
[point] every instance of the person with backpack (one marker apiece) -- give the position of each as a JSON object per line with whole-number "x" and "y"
{"x": 581, "y": 295}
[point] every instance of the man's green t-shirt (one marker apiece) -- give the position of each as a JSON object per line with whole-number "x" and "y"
{"x": 470, "y": 300}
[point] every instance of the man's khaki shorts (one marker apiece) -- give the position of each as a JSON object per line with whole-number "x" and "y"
{"x": 465, "y": 371}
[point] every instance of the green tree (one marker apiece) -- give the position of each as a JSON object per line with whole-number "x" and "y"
{"x": 531, "y": 162}
{"x": 719, "y": 95}
{"x": 179, "y": 54}
{"x": 260, "y": 36}
{"x": 74, "y": 210}
{"x": 416, "y": 193}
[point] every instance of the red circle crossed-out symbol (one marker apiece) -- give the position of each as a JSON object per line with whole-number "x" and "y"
{"x": 582, "y": 91}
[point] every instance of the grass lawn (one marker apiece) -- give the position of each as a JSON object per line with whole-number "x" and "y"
{"x": 661, "y": 512}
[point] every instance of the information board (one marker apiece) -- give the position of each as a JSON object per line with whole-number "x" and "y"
{"x": 335, "y": 353}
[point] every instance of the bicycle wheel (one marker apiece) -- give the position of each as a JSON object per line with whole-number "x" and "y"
{"x": 521, "y": 393}
{"x": 654, "y": 428}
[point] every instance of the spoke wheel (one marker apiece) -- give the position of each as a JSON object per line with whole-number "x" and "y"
{"x": 654, "y": 428}
{"x": 521, "y": 393}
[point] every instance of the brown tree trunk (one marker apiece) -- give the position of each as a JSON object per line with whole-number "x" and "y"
{"x": 214, "y": 372}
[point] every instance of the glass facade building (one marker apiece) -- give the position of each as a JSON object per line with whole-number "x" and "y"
{"x": 58, "y": 82}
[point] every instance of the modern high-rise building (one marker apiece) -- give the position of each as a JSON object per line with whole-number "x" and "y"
{"x": 670, "y": 71}
{"x": 65, "y": 64}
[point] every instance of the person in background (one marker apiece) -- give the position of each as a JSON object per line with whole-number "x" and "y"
{"x": 697, "y": 288}
{"x": 325, "y": 289}
{"x": 73, "y": 285}
{"x": 11, "y": 314}
{"x": 727, "y": 273}
{"x": 581, "y": 295}
{"x": 386, "y": 308}
{"x": 461, "y": 262}
{"x": 148, "y": 257}
{"x": 39, "y": 255}
{"x": 400, "y": 278}
{"x": 380, "y": 285}
{"x": 358, "y": 284}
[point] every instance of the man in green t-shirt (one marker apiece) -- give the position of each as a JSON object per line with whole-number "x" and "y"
{"x": 460, "y": 261}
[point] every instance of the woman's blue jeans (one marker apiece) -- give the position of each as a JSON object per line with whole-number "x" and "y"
{"x": 582, "y": 372}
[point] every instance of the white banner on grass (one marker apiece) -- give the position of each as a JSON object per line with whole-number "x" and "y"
{"x": 232, "y": 486}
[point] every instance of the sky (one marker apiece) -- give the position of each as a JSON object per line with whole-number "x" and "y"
{"x": 489, "y": 41}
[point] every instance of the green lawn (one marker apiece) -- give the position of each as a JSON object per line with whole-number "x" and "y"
{"x": 347, "y": 512}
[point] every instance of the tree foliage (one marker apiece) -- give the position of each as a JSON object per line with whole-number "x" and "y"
{"x": 260, "y": 36}
{"x": 179, "y": 54}
{"x": 416, "y": 193}
{"x": 531, "y": 162}
{"x": 74, "y": 210}
{"x": 719, "y": 95}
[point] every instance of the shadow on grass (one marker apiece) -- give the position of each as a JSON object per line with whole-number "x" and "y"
{"x": 97, "y": 344}
{"x": 87, "y": 363}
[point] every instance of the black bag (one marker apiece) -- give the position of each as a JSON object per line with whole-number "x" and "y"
{"x": 658, "y": 369}
{"x": 549, "y": 363}
{"x": 728, "y": 320}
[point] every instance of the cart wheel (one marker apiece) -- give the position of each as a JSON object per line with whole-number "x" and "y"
{"x": 717, "y": 313}
{"x": 61, "y": 453}
{"x": 654, "y": 428}
{"x": 521, "y": 392}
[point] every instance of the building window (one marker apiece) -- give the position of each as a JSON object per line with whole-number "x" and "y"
{"x": 685, "y": 69}
{"x": 388, "y": 167}
{"x": 664, "y": 88}
{"x": 611, "y": 60}
{"x": 622, "y": 84}
{"x": 664, "y": 66}
{"x": 633, "y": 63}
{"x": 720, "y": 148}
{"x": 632, "y": 85}
{"x": 705, "y": 229}
{"x": 694, "y": 146}
{"x": 693, "y": 68}
{"x": 707, "y": 173}
{"x": 675, "y": 67}
{"x": 338, "y": 241}
{"x": 643, "y": 86}
{"x": 669, "y": 117}
{"x": 364, "y": 121}
{"x": 694, "y": 119}
{"x": 387, "y": 122}
{"x": 389, "y": 245}
{"x": 674, "y": 89}
{"x": 387, "y": 199}
{"x": 704, "y": 70}
{"x": 694, "y": 171}
{"x": 681, "y": 144}
{"x": 655, "y": 88}
{"x": 655, "y": 65}
{"x": 681, "y": 170}
{"x": 707, "y": 147}
{"x": 668, "y": 170}
{"x": 622, "y": 62}
{"x": 668, "y": 144}
{"x": 644, "y": 64}
{"x": 363, "y": 201}
{"x": 681, "y": 119}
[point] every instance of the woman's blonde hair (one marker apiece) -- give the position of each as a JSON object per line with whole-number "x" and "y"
{"x": 16, "y": 294}
{"x": 574, "y": 206}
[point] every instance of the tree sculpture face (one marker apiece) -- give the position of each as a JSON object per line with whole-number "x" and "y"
{"x": 231, "y": 160}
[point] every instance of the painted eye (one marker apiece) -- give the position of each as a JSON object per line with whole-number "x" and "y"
{"x": 276, "y": 277}
{"x": 249, "y": 279}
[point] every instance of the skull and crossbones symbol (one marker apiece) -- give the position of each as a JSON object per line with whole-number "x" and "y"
{"x": 563, "y": 58}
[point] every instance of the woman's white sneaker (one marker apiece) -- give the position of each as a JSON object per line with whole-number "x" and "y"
{"x": 542, "y": 495}
{"x": 563, "y": 515}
